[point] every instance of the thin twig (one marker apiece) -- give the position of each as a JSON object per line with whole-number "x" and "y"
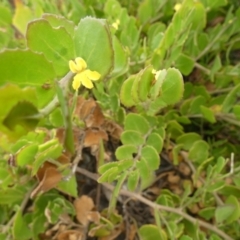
{"x": 158, "y": 206}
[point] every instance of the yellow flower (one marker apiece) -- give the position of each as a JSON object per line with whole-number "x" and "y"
{"x": 156, "y": 73}
{"x": 116, "y": 24}
{"x": 83, "y": 75}
{"x": 177, "y": 6}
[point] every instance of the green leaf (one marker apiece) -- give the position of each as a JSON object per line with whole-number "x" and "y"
{"x": 125, "y": 164}
{"x": 228, "y": 190}
{"x": 69, "y": 186}
{"x": 55, "y": 43}
{"x": 171, "y": 91}
{"x": 94, "y": 44}
{"x": 196, "y": 103}
{"x": 157, "y": 85}
{"x": 11, "y": 195}
{"x": 23, "y": 15}
{"x": 132, "y": 138}
{"x": 144, "y": 82}
{"x": 143, "y": 168}
{"x": 49, "y": 150}
{"x": 172, "y": 87}
{"x": 222, "y": 213}
{"x": 56, "y": 118}
{"x": 236, "y": 111}
{"x": 12, "y": 97}
{"x": 126, "y": 92}
{"x": 199, "y": 151}
{"x": 20, "y": 228}
{"x": 21, "y": 114}
{"x": 156, "y": 141}
{"x": 184, "y": 237}
{"x": 232, "y": 200}
{"x": 151, "y": 156}
{"x": 208, "y": 114}
{"x": 17, "y": 68}
{"x": 102, "y": 169}
{"x": 112, "y": 172}
{"x": 151, "y": 232}
{"x": 185, "y": 64}
{"x": 221, "y": 162}
{"x": 130, "y": 34}
{"x": 136, "y": 123}
{"x": 133, "y": 180}
{"x": 26, "y": 155}
{"x": 125, "y": 152}
{"x": 188, "y": 139}
{"x": 215, "y": 186}
{"x": 59, "y": 21}
{"x": 213, "y": 4}
{"x": 120, "y": 59}
{"x": 207, "y": 213}
{"x": 231, "y": 98}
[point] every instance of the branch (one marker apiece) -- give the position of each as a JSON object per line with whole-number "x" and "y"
{"x": 158, "y": 206}
{"x": 63, "y": 83}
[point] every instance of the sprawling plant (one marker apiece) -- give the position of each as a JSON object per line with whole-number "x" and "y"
{"x": 146, "y": 91}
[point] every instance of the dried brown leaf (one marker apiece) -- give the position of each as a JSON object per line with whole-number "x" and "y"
{"x": 94, "y": 136}
{"x": 70, "y": 235}
{"x": 83, "y": 206}
{"x": 50, "y": 180}
{"x": 90, "y": 112}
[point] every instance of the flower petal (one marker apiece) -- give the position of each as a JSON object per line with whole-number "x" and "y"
{"x": 73, "y": 66}
{"x": 81, "y": 64}
{"x": 93, "y": 75}
{"x": 76, "y": 82}
{"x": 86, "y": 82}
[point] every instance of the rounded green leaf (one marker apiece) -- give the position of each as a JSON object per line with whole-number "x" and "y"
{"x": 207, "y": 213}
{"x": 172, "y": 87}
{"x": 151, "y": 156}
{"x": 125, "y": 164}
{"x": 137, "y": 123}
{"x": 27, "y": 155}
{"x": 199, "y": 151}
{"x": 222, "y": 213}
{"x": 145, "y": 80}
{"x": 126, "y": 94}
{"x": 55, "y": 43}
{"x": 232, "y": 200}
{"x": 132, "y": 137}
{"x": 125, "y": 152}
{"x": 188, "y": 139}
{"x": 185, "y": 64}
{"x": 21, "y": 114}
{"x": 151, "y": 232}
{"x": 93, "y": 43}
{"x": 59, "y": 21}
{"x": 16, "y": 68}
{"x": 208, "y": 114}
{"x": 156, "y": 141}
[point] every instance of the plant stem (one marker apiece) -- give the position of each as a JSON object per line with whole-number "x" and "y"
{"x": 201, "y": 67}
{"x": 63, "y": 83}
{"x": 211, "y": 44}
{"x": 153, "y": 205}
